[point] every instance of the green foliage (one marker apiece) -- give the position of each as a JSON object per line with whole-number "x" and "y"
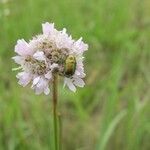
{"x": 112, "y": 111}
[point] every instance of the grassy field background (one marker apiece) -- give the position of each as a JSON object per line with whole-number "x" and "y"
{"x": 112, "y": 111}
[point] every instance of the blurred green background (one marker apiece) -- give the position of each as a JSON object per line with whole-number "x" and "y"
{"x": 112, "y": 111}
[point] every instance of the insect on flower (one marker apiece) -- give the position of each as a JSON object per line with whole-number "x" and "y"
{"x": 51, "y": 52}
{"x": 70, "y": 66}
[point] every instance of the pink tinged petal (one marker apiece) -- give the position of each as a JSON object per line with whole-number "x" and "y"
{"x": 42, "y": 83}
{"x": 22, "y": 48}
{"x": 80, "y": 73}
{"x": 39, "y": 56}
{"x": 46, "y": 91}
{"x": 18, "y": 59}
{"x": 70, "y": 85}
{"x": 47, "y": 28}
{"x": 80, "y": 46}
{"x": 77, "y": 72}
{"x": 24, "y": 78}
{"x": 80, "y": 70}
{"x": 79, "y": 82}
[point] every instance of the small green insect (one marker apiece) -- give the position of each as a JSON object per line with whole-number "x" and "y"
{"x": 70, "y": 66}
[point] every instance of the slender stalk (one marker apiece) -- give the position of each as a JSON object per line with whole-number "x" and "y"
{"x": 55, "y": 98}
{"x": 60, "y": 131}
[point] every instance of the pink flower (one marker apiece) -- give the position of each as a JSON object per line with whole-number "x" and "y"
{"x": 46, "y": 54}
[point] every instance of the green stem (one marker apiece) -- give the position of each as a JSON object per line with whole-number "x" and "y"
{"x": 55, "y": 110}
{"x": 60, "y": 131}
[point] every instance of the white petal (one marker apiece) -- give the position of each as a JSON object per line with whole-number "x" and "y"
{"x": 70, "y": 84}
{"x": 19, "y": 74}
{"x": 46, "y": 91}
{"x": 39, "y": 55}
{"x": 47, "y": 28}
{"x": 35, "y": 81}
{"x": 79, "y": 82}
{"x": 64, "y": 31}
{"x": 18, "y": 59}
{"x": 41, "y": 83}
{"x": 22, "y": 48}
{"x": 41, "y": 86}
{"x": 53, "y": 66}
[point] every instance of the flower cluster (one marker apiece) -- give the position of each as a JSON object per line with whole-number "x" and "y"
{"x": 51, "y": 52}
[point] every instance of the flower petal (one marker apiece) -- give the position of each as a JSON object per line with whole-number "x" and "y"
{"x": 79, "y": 82}
{"x": 35, "y": 81}
{"x": 79, "y": 46}
{"x": 18, "y": 59}
{"x": 39, "y": 55}
{"x": 47, "y": 28}
{"x": 38, "y": 91}
{"x": 70, "y": 84}
{"x": 22, "y": 48}
{"x": 41, "y": 86}
{"x": 24, "y": 78}
{"x": 46, "y": 91}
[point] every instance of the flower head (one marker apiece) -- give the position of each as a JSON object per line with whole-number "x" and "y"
{"x": 51, "y": 52}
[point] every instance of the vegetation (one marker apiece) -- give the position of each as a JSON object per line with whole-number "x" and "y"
{"x": 112, "y": 111}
